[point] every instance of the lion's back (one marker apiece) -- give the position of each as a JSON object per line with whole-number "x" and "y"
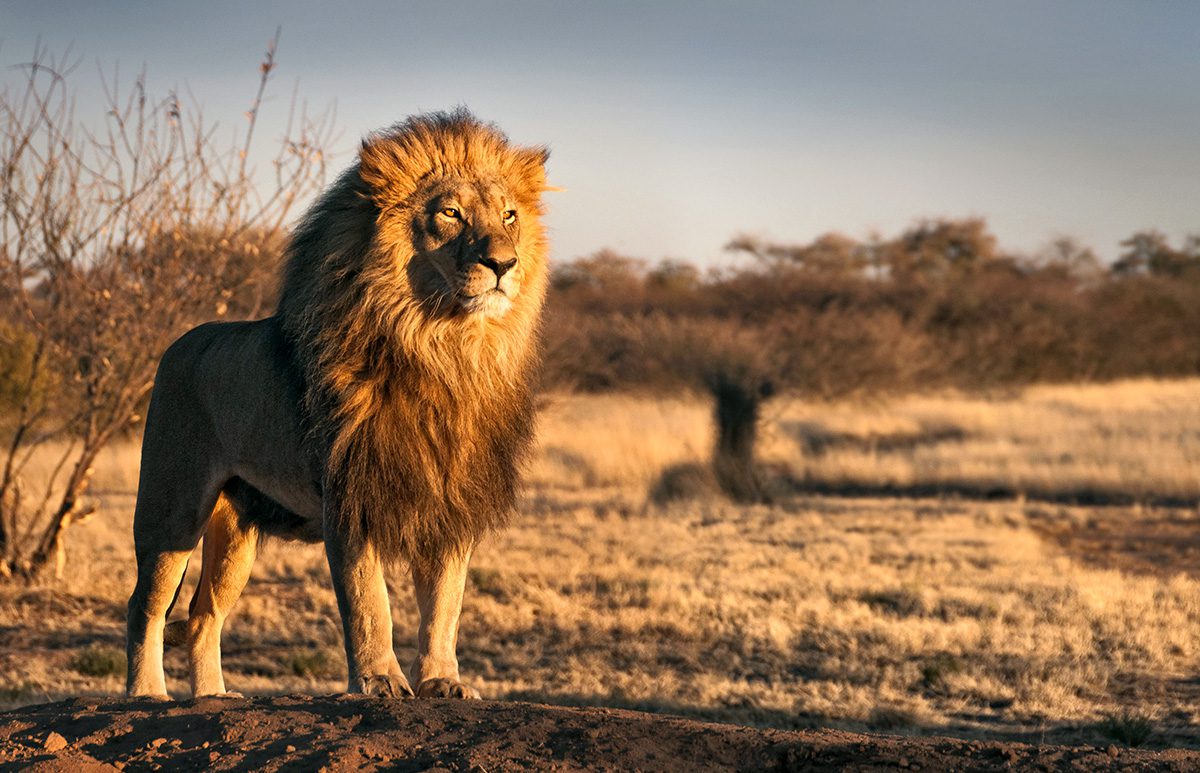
{"x": 227, "y": 380}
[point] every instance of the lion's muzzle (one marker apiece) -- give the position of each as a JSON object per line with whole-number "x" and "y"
{"x": 491, "y": 278}
{"x": 498, "y": 266}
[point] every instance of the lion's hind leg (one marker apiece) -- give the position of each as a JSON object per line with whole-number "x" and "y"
{"x": 158, "y": 577}
{"x": 165, "y": 534}
{"x": 229, "y": 551}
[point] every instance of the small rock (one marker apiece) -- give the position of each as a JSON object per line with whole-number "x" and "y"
{"x": 118, "y": 764}
{"x": 289, "y": 748}
{"x": 157, "y": 742}
{"x": 54, "y": 742}
{"x": 204, "y": 745}
{"x": 903, "y": 762}
{"x": 1113, "y": 751}
{"x": 214, "y": 756}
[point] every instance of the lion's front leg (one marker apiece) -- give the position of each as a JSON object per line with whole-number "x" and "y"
{"x": 439, "y": 590}
{"x": 366, "y": 617}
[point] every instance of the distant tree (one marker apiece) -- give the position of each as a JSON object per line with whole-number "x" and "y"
{"x": 739, "y": 366}
{"x": 830, "y": 254}
{"x": 940, "y": 249}
{"x": 603, "y": 271}
{"x": 673, "y": 276}
{"x": 1143, "y": 250}
{"x": 1150, "y": 252}
{"x": 1068, "y": 258}
{"x": 835, "y": 253}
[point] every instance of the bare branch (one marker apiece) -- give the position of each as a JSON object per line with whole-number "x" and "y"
{"x": 116, "y": 235}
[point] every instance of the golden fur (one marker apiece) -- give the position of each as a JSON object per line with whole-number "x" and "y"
{"x": 394, "y": 375}
{"x": 384, "y": 409}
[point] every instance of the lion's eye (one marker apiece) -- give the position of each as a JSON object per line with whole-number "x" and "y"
{"x": 450, "y": 212}
{"x": 509, "y": 216}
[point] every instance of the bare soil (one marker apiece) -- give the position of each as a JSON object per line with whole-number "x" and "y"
{"x": 301, "y": 732}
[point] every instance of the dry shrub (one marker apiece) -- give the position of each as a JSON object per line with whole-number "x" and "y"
{"x": 99, "y": 660}
{"x": 940, "y": 305}
{"x": 119, "y": 231}
{"x": 316, "y": 663}
{"x": 1130, "y": 727}
{"x": 683, "y": 483}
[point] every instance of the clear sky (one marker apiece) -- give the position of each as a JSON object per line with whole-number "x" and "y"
{"x": 676, "y": 124}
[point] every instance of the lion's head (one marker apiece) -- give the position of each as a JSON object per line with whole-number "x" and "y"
{"x": 459, "y": 209}
{"x": 466, "y": 238}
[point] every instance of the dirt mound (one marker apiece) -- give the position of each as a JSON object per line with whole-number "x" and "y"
{"x": 302, "y": 732}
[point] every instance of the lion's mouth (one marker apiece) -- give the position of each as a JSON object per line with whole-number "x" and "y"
{"x": 489, "y": 303}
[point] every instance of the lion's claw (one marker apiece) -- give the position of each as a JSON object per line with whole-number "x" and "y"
{"x": 446, "y": 688}
{"x": 385, "y": 686}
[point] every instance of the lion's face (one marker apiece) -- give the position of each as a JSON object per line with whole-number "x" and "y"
{"x": 467, "y": 247}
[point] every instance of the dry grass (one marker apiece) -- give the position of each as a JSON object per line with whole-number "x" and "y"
{"x": 906, "y": 615}
{"x": 1135, "y": 438}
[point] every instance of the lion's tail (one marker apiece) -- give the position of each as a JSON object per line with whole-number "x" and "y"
{"x": 176, "y": 633}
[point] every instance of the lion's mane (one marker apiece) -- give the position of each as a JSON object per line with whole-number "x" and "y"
{"x": 420, "y": 417}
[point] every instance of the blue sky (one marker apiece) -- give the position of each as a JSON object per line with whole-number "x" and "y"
{"x": 675, "y": 125}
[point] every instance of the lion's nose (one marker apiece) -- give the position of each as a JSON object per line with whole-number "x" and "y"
{"x": 500, "y": 267}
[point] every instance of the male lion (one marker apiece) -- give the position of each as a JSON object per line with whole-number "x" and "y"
{"x": 383, "y": 410}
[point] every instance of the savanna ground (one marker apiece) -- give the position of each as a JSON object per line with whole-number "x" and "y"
{"x": 1052, "y": 595}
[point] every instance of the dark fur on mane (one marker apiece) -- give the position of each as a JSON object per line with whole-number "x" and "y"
{"x": 420, "y": 420}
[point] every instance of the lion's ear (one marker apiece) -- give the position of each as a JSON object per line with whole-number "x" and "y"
{"x": 373, "y": 158}
{"x": 383, "y": 168}
{"x": 539, "y": 155}
{"x": 530, "y": 167}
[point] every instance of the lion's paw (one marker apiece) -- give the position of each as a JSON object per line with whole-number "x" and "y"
{"x": 156, "y": 697}
{"x": 385, "y": 686}
{"x": 446, "y": 688}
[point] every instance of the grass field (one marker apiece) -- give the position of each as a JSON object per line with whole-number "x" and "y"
{"x": 1026, "y": 616}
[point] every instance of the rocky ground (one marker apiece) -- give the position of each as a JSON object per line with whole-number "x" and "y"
{"x": 334, "y": 733}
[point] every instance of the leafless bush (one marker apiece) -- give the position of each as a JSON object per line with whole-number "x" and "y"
{"x": 117, "y": 233}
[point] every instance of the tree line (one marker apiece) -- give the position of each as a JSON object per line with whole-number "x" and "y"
{"x": 939, "y": 305}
